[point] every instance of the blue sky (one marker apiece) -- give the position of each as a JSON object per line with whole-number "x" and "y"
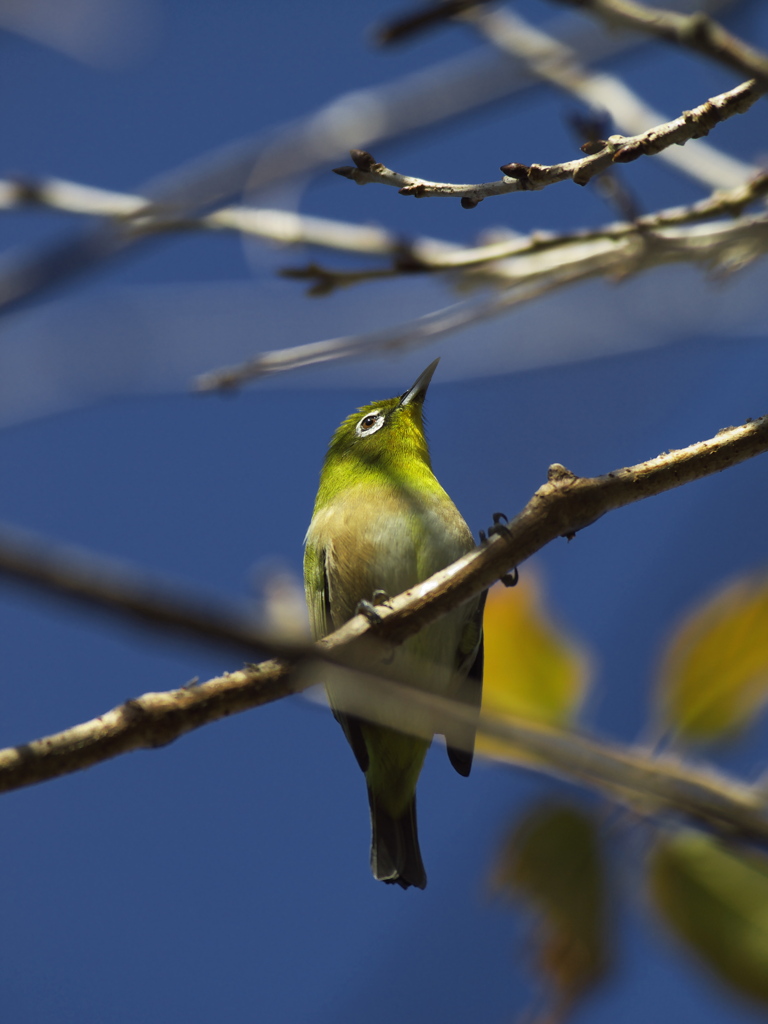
{"x": 227, "y": 873}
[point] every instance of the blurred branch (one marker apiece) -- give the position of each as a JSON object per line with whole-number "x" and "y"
{"x": 107, "y": 585}
{"x": 696, "y": 31}
{"x": 423, "y": 18}
{"x": 275, "y": 225}
{"x": 360, "y": 116}
{"x": 648, "y": 783}
{"x": 420, "y": 255}
{"x": 421, "y": 331}
{"x": 561, "y": 65}
{"x": 436, "y": 13}
{"x": 565, "y": 504}
{"x": 691, "y": 124}
{"x": 431, "y": 255}
{"x": 288, "y": 228}
{"x": 532, "y": 266}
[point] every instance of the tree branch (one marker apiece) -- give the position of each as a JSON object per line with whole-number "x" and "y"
{"x": 691, "y": 124}
{"x": 541, "y": 263}
{"x": 561, "y": 65}
{"x": 412, "y": 102}
{"x": 102, "y": 584}
{"x": 698, "y": 32}
{"x": 419, "y": 255}
{"x": 430, "y": 255}
{"x": 561, "y": 507}
{"x": 416, "y": 332}
{"x": 633, "y": 776}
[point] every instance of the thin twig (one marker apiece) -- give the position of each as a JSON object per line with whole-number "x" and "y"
{"x": 430, "y": 255}
{"x": 561, "y": 65}
{"x": 655, "y": 784}
{"x": 691, "y": 124}
{"x": 411, "y": 334}
{"x": 364, "y": 115}
{"x": 106, "y": 585}
{"x": 275, "y": 225}
{"x": 642, "y": 779}
{"x": 405, "y": 26}
{"x": 565, "y": 504}
{"x": 419, "y": 255}
{"x": 698, "y": 32}
{"x": 541, "y": 266}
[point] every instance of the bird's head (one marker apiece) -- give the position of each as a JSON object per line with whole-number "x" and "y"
{"x": 386, "y": 434}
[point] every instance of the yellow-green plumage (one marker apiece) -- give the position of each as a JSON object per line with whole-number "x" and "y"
{"x": 382, "y": 522}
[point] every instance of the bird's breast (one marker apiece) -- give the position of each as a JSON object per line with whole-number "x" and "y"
{"x": 385, "y": 539}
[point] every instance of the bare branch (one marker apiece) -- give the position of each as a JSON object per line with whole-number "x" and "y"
{"x": 106, "y": 585}
{"x": 275, "y": 225}
{"x": 419, "y": 255}
{"x": 565, "y": 504}
{"x": 417, "y": 332}
{"x": 429, "y": 255}
{"x": 537, "y": 265}
{"x": 697, "y": 32}
{"x": 647, "y": 782}
{"x": 360, "y": 116}
{"x": 561, "y": 65}
{"x": 638, "y": 778}
{"x": 427, "y": 17}
{"x": 691, "y": 124}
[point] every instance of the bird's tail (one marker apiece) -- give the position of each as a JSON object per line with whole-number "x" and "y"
{"x": 395, "y": 853}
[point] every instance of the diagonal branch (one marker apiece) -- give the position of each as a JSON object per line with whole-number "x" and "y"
{"x": 290, "y": 228}
{"x": 644, "y": 781}
{"x": 565, "y": 504}
{"x": 412, "y": 102}
{"x": 560, "y": 64}
{"x": 691, "y": 124}
{"x": 431, "y": 255}
{"x": 539, "y": 264}
{"x": 698, "y": 32}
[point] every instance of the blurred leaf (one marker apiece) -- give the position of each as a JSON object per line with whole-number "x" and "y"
{"x": 532, "y": 669}
{"x": 552, "y": 861}
{"x": 716, "y": 899}
{"x": 714, "y": 676}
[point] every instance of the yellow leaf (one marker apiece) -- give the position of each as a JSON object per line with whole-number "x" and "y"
{"x": 716, "y": 899}
{"x": 714, "y": 675}
{"x": 552, "y": 861}
{"x": 532, "y": 669}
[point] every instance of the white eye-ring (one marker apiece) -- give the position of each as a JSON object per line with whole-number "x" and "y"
{"x": 370, "y": 423}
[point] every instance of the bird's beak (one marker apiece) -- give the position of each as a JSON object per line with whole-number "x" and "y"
{"x": 418, "y": 390}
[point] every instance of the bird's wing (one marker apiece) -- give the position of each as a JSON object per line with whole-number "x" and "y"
{"x": 460, "y": 739}
{"x": 316, "y": 588}
{"x": 317, "y": 582}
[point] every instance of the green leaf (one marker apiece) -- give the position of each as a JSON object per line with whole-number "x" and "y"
{"x": 716, "y": 899}
{"x": 532, "y": 669}
{"x": 552, "y": 862}
{"x": 714, "y": 676}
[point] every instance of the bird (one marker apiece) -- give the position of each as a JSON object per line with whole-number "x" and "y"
{"x": 381, "y": 524}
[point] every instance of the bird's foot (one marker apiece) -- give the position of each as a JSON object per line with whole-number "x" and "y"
{"x": 499, "y": 528}
{"x": 368, "y": 608}
{"x": 509, "y": 579}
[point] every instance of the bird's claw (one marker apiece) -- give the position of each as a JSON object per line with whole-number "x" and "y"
{"x": 368, "y": 609}
{"x": 510, "y": 579}
{"x": 499, "y": 528}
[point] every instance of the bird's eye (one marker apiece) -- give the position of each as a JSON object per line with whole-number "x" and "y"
{"x": 370, "y": 423}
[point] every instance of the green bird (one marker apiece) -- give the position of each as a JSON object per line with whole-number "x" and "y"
{"x": 381, "y": 524}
